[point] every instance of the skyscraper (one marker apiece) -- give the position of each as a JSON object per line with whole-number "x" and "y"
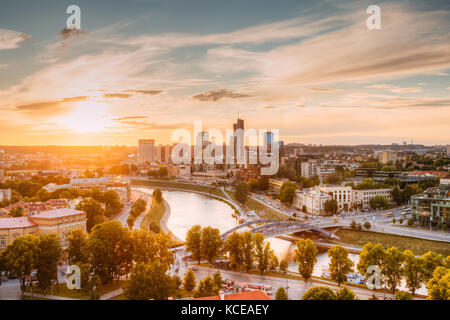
{"x": 236, "y": 126}
{"x": 146, "y": 150}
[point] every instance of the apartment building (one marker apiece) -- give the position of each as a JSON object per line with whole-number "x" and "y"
{"x": 362, "y": 197}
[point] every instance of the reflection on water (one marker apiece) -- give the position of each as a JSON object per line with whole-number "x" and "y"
{"x": 188, "y": 209}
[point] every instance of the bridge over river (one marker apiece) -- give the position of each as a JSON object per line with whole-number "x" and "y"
{"x": 273, "y": 228}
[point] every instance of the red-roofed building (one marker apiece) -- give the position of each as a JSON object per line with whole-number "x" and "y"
{"x": 246, "y": 295}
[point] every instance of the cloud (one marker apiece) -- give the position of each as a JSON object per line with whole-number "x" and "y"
{"x": 130, "y": 118}
{"x": 147, "y": 92}
{"x": 216, "y": 95}
{"x": 48, "y": 108}
{"x": 10, "y": 39}
{"x": 67, "y": 33}
{"x": 323, "y": 89}
{"x": 117, "y": 95}
{"x": 406, "y": 90}
{"x": 271, "y": 107}
{"x": 396, "y": 89}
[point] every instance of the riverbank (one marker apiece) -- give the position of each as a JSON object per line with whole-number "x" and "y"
{"x": 155, "y": 215}
{"x": 417, "y": 246}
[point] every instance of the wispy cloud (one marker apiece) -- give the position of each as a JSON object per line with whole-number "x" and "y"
{"x": 10, "y": 39}
{"x": 216, "y": 95}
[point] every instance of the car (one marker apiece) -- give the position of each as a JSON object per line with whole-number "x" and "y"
{"x": 335, "y": 220}
{"x": 193, "y": 268}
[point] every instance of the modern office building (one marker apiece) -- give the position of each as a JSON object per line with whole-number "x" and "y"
{"x": 146, "y": 150}
{"x": 432, "y": 206}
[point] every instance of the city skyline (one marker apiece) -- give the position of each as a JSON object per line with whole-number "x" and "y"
{"x": 144, "y": 69}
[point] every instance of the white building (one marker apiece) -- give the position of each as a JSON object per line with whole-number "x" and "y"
{"x": 310, "y": 169}
{"x": 313, "y": 199}
{"x": 363, "y": 196}
{"x": 146, "y": 150}
{"x": 342, "y": 195}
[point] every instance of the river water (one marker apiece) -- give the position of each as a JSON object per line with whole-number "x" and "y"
{"x": 188, "y": 209}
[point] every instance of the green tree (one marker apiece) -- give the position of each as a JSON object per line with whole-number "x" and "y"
{"x": 241, "y": 192}
{"x": 379, "y": 202}
{"x": 194, "y": 242}
{"x": 233, "y": 246}
{"x": 47, "y": 260}
{"x": 287, "y": 193}
{"x": 345, "y": 294}
{"x": 331, "y": 206}
{"x": 16, "y": 212}
{"x": 340, "y": 264}
{"x": 431, "y": 260}
{"x": 94, "y": 212}
{"x": 281, "y": 294}
{"x": 77, "y": 246}
{"x": 413, "y": 271}
{"x": 206, "y": 288}
{"x": 439, "y": 285}
{"x": 248, "y": 247}
{"x": 262, "y": 252}
{"x": 403, "y": 295}
{"x": 319, "y": 293}
{"x": 211, "y": 243}
{"x": 367, "y": 225}
{"x": 306, "y": 257}
{"x": 392, "y": 267}
{"x": 283, "y": 265}
{"x": 104, "y": 248}
{"x": 150, "y": 281}
{"x": 371, "y": 254}
{"x": 157, "y": 195}
{"x": 218, "y": 279}
{"x": 189, "y": 281}
{"x": 150, "y": 247}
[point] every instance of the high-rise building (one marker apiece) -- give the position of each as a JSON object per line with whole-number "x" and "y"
{"x": 387, "y": 156}
{"x": 310, "y": 168}
{"x": 268, "y": 140}
{"x": 238, "y": 125}
{"x": 146, "y": 150}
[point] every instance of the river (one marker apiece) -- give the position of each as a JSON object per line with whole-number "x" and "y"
{"x": 188, "y": 209}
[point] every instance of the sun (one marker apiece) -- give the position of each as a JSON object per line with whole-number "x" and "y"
{"x": 87, "y": 117}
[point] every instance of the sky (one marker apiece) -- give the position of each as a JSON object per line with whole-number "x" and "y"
{"x": 142, "y": 69}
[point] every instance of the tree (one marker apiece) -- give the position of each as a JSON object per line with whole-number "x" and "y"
{"x": 157, "y": 195}
{"x": 233, "y": 246}
{"x": 319, "y": 293}
{"x": 194, "y": 242}
{"x": 432, "y": 260}
{"x": 189, "y": 281}
{"x": 47, "y": 260}
{"x": 306, "y": 257}
{"x": 211, "y": 243}
{"x": 206, "y": 288}
{"x": 403, "y": 295}
{"x": 340, "y": 264}
{"x": 112, "y": 203}
{"x": 334, "y": 178}
{"x": 345, "y": 294}
{"x": 273, "y": 260}
{"x": 104, "y": 248}
{"x": 371, "y": 254}
{"x": 77, "y": 246}
{"x": 439, "y": 285}
{"x": 248, "y": 247}
{"x": 379, "y": 202}
{"x": 392, "y": 267}
{"x": 413, "y": 270}
{"x": 331, "y": 206}
{"x": 281, "y": 294}
{"x": 241, "y": 192}
{"x": 16, "y": 212}
{"x": 287, "y": 193}
{"x": 94, "y": 212}
{"x": 149, "y": 247}
{"x": 283, "y": 265}
{"x": 262, "y": 252}
{"x": 150, "y": 281}
{"x": 367, "y": 225}
{"x": 353, "y": 225}
{"x": 20, "y": 257}
{"x": 218, "y": 279}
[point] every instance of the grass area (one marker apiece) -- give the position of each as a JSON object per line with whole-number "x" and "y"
{"x": 155, "y": 214}
{"x": 261, "y": 210}
{"x": 418, "y": 246}
{"x": 80, "y": 294}
{"x": 177, "y": 185}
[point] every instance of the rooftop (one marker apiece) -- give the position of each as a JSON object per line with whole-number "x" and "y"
{"x": 58, "y": 213}
{"x": 16, "y": 223}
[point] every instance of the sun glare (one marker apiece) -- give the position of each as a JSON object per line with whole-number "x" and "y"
{"x": 88, "y": 116}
